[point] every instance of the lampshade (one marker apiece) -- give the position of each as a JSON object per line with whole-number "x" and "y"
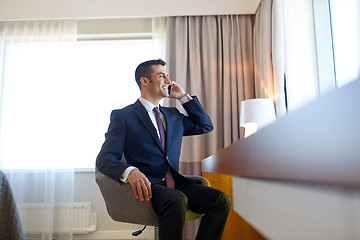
{"x": 256, "y": 114}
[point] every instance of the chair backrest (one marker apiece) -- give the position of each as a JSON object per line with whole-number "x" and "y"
{"x": 121, "y": 203}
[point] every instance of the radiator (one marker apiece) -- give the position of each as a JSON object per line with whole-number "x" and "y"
{"x": 38, "y": 218}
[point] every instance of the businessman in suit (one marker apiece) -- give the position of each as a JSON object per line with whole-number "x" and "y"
{"x": 150, "y": 140}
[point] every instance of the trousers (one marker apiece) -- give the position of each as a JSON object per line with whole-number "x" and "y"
{"x": 172, "y": 204}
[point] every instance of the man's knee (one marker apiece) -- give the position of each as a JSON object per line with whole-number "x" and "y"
{"x": 224, "y": 201}
{"x": 177, "y": 204}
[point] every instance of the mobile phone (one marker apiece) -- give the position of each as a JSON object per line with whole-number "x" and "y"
{"x": 169, "y": 89}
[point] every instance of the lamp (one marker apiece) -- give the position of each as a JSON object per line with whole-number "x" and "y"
{"x": 256, "y": 114}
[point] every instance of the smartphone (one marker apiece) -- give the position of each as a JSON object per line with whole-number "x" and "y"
{"x": 169, "y": 89}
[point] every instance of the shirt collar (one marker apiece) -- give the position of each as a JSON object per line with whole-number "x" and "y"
{"x": 148, "y": 105}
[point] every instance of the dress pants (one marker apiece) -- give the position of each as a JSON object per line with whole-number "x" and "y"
{"x": 172, "y": 204}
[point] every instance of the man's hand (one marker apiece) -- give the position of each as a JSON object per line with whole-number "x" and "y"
{"x": 140, "y": 184}
{"x": 177, "y": 91}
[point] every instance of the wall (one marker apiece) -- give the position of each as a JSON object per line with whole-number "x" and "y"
{"x": 114, "y": 26}
{"x": 79, "y": 9}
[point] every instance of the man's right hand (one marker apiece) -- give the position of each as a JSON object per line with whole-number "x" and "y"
{"x": 140, "y": 184}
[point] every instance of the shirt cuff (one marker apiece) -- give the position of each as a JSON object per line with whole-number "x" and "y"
{"x": 125, "y": 174}
{"x": 185, "y": 99}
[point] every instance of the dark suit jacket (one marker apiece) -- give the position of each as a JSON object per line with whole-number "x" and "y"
{"x": 132, "y": 133}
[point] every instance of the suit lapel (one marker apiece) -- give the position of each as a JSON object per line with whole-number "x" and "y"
{"x": 144, "y": 118}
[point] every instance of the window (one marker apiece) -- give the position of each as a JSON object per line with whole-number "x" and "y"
{"x": 345, "y": 31}
{"x": 57, "y": 113}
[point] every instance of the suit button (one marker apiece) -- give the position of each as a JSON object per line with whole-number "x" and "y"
{"x": 167, "y": 158}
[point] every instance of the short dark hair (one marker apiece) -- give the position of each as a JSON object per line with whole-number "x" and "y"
{"x": 144, "y": 69}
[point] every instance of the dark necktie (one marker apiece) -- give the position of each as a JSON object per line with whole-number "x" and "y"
{"x": 169, "y": 178}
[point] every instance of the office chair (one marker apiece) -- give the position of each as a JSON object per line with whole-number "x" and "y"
{"x": 132, "y": 210}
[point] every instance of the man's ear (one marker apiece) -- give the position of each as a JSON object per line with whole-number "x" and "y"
{"x": 144, "y": 81}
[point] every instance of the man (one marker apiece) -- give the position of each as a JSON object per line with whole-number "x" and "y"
{"x": 151, "y": 141}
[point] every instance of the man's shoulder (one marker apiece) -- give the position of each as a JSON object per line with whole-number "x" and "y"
{"x": 126, "y": 110}
{"x": 129, "y": 107}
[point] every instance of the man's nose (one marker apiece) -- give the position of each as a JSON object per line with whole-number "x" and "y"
{"x": 167, "y": 80}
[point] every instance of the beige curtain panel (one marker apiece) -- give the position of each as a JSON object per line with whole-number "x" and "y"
{"x": 212, "y": 57}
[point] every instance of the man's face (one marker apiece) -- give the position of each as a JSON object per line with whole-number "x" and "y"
{"x": 159, "y": 81}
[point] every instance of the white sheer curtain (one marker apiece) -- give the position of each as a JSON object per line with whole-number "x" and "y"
{"x": 159, "y": 37}
{"x": 313, "y": 49}
{"x": 31, "y": 124}
{"x": 298, "y": 38}
{"x": 269, "y": 80}
{"x": 285, "y": 54}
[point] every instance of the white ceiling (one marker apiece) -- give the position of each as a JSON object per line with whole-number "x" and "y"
{"x": 92, "y": 9}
